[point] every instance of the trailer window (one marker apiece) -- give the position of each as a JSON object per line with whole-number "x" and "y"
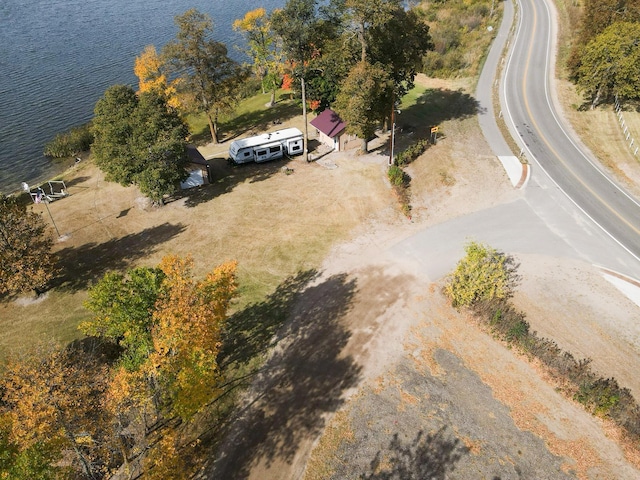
{"x": 274, "y": 149}
{"x": 261, "y": 152}
{"x": 246, "y": 154}
{"x": 295, "y": 147}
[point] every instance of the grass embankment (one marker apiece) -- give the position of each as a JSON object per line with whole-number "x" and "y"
{"x": 600, "y": 129}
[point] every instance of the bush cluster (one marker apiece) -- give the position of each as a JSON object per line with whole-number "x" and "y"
{"x": 484, "y": 280}
{"x": 484, "y": 274}
{"x": 600, "y": 396}
{"x": 410, "y": 154}
{"x": 400, "y": 180}
{"x": 459, "y": 34}
{"x": 68, "y": 144}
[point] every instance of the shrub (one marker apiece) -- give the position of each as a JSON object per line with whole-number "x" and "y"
{"x": 68, "y": 144}
{"x": 600, "y": 396}
{"x": 400, "y": 181}
{"x": 396, "y": 176}
{"x": 411, "y": 153}
{"x": 483, "y": 274}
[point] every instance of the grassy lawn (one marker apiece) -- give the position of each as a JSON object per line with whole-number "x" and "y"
{"x": 250, "y": 115}
{"x": 275, "y": 225}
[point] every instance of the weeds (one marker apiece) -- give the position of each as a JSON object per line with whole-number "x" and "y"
{"x": 600, "y": 396}
{"x": 400, "y": 180}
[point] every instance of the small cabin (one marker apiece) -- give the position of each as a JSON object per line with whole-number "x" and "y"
{"x": 331, "y": 131}
{"x": 198, "y": 168}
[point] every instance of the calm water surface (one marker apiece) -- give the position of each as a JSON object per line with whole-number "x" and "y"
{"x": 57, "y": 57}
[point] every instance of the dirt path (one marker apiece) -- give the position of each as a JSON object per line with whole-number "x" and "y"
{"x": 377, "y": 376}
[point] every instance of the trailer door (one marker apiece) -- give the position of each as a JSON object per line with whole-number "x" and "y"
{"x": 294, "y": 146}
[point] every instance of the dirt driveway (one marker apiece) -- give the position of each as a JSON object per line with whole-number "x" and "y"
{"x": 377, "y": 377}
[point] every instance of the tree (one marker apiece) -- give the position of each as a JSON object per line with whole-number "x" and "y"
{"x": 148, "y": 68}
{"x": 123, "y": 307}
{"x": 33, "y": 463}
{"x": 261, "y": 48}
{"x": 367, "y": 14}
{"x": 51, "y": 399}
{"x": 483, "y": 274}
{"x": 399, "y": 45}
{"x": 206, "y": 71}
{"x": 169, "y": 326}
{"x": 296, "y": 25}
{"x": 597, "y": 16}
{"x": 610, "y": 64}
{"x": 362, "y": 100}
{"x": 26, "y": 261}
{"x": 113, "y": 131}
{"x": 140, "y": 140}
{"x": 188, "y": 323}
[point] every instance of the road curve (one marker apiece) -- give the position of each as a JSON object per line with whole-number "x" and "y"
{"x": 534, "y": 121}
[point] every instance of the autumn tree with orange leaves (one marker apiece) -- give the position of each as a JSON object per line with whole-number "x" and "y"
{"x": 188, "y": 323}
{"x": 148, "y": 68}
{"x": 51, "y": 406}
{"x": 67, "y": 413}
{"x": 169, "y": 327}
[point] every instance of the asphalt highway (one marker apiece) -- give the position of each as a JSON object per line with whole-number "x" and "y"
{"x": 531, "y": 113}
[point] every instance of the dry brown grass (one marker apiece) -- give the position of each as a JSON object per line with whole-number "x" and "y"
{"x": 337, "y": 433}
{"x": 600, "y": 130}
{"x": 274, "y": 225}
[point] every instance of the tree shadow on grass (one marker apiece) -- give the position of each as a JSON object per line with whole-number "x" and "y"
{"x": 432, "y": 456}
{"x": 261, "y": 121}
{"x": 257, "y": 121}
{"x": 83, "y": 265}
{"x": 227, "y": 177}
{"x": 435, "y": 106}
{"x": 251, "y": 331}
{"x": 74, "y": 182}
{"x": 305, "y": 377}
{"x": 432, "y": 108}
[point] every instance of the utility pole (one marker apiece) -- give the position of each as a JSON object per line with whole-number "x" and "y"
{"x": 304, "y": 116}
{"x": 393, "y": 127}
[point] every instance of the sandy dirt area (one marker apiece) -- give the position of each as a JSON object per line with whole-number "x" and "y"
{"x": 377, "y": 377}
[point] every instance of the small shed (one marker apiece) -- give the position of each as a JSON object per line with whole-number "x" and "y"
{"x": 331, "y": 131}
{"x": 198, "y": 168}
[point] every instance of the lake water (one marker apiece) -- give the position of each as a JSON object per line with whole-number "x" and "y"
{"x": 57, "y": 57}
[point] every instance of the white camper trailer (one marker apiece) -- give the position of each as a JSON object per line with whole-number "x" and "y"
{"x": 268, "y": 146}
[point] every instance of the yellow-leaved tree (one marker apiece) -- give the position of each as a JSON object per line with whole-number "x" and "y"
{"x": 262, "y": 48}
{"x": 51, "y": 398}
{"x": 148, "y": 68}
{"x": 483, "y": 275}
{"x": 187, "y": 329}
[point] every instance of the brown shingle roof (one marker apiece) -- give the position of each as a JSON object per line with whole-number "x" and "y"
{"x": 329, "y": 123}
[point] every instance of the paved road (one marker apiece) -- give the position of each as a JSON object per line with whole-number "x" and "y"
{"x": 532, "y": 115}
{"x": 545, "y": 220}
